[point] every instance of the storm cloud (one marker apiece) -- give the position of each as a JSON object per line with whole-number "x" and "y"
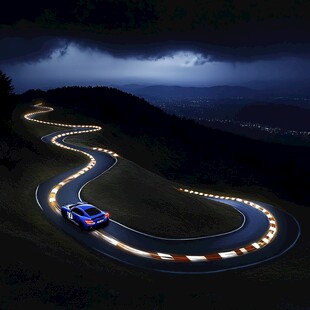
{"x": 220, "y": 30}
{"x": 176, "y": 42}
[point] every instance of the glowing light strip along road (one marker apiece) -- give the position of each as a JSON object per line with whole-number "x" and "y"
{"x": 52, "y": 195}
{"x": 265, "y": 240}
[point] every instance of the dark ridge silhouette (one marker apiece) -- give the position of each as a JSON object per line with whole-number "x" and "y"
{"x": 276, "y": 115}
{"x": 181, "y": 92}
{"x": 194, "y": 154}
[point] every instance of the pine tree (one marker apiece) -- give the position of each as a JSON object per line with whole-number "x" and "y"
{"x": 8, "y": 140}
{"x": 7, "y": 97}
{"x": 6, "y": 87}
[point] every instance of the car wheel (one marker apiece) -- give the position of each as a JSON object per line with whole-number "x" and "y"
{"x": 81, "y": 226}
{"x": 63, "y": 213}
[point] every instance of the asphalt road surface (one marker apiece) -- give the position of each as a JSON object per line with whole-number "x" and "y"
{"x": 266, "y": 232}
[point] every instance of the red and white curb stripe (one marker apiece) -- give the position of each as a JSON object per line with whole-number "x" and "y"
{"x": 265, "y": 240}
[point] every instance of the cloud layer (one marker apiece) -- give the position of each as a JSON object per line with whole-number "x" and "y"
{"x": 75, "y": 65}
{"x": 193, "y": 42}
{"x": 219, "y": 30}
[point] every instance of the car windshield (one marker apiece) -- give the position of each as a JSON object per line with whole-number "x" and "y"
{"x": 92, "y": 211}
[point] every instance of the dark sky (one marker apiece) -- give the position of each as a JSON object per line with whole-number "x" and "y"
{"x": 197, "y": 43}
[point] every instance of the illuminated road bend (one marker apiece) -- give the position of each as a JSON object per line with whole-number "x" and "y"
{"x": 52, "y": 199}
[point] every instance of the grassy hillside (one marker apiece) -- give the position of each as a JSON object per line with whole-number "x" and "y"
{"x": 276, "y": 115}
{"x": 43, "y": 268}
{"x": 143, "y": 200}
{"x": 184, "y": 151}
{"x": 146, "y": 202}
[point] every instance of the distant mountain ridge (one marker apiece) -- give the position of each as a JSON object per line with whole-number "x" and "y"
{"x": 183, "y": 92}
{"x": 251, "y": 90}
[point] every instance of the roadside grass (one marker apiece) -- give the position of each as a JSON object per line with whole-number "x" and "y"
{"x": 38, "y": 162}
{"x": 41, "y": 267}
{"x": 148, "y": 203}
{"x": 112, "y": 138}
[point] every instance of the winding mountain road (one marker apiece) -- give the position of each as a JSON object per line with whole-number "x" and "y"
{"x": 266, "y": 232}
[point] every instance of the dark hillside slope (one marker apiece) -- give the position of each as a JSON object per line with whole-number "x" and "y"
{"x": 193, "y": 154}
{"x": 276, "y": 115}
{"x": 179, "y": 92}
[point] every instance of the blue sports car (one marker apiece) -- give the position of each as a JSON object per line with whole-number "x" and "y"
{"x": 85, "y": 215}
